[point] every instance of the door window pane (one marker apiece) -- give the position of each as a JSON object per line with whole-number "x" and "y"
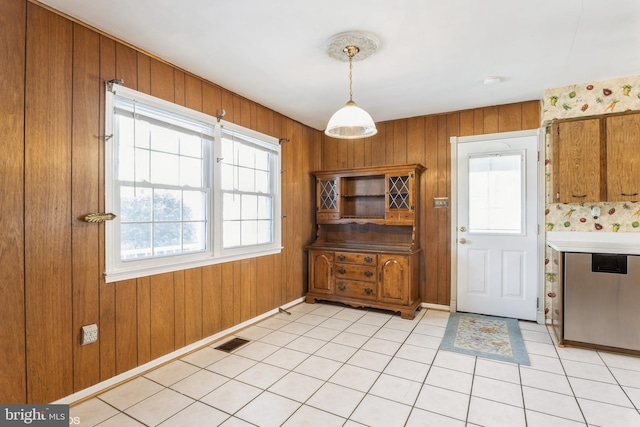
{"x": 496, "y": 194}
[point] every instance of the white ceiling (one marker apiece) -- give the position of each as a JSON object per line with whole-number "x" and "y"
{"x": 433, "y": 57}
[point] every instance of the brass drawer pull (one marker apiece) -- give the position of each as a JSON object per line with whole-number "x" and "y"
{"x": 578, "y": 197}
{"x": 342, "y": 287}
{"x": 341, "y": 257}
{"x": 368, "y": 259}
{"x": 368, "y": 273}
{"x": 342, "y": 271}
{"x": 629, "y": 195}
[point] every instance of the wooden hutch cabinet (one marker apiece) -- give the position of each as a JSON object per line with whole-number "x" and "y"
{"x": 366, "y": 252}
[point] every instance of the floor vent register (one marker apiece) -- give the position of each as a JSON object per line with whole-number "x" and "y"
{"x": 232, "y": 344}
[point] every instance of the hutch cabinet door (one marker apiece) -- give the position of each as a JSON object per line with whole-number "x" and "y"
{"x": 321, "y": 272}
{"x": 327, "y": 199}
{"x": 394, "y": 279}
{"x": 400, "y": 200}
{"x": 578, "y": 161}
{"x": 623, "y": 158}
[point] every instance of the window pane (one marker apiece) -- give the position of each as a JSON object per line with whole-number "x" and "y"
{"x": 166, "y": 140}
{"x": 190, "y": 172}
{"x": 264, "y": 232}
{"x": 249, "y": 233}
{"x": 194, "y": 236}
{"x": 135, "y": 204}
{"x": 135, "y": 241}
{"x": 191, "y": 145}
{"x": 264, "y": 207}
{"x": 246, "y": 156}
{"x": 262, "y": 160}
{"x": 226, "y": 177}
{"x": 141, "y": 165}
{"x": 165, "y": 168}
{"x": 167, "y": 205}
{"x": 194, "y": 205}
{"x": 231, "y": 234}
{"x": 143, "y": 134}
{"x": 246, "y": 179}
{"x": 126, "y": 164}
{"x": 496, "y": 193}
{"x": 227, "y": 151}
{"x": 262, "y": 182}
{"x": 249, "y": 206}
{"x": 166, "y": 238}
{"x": 231, "y": 206}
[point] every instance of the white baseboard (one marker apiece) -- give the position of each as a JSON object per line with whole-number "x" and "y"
{"x": 126, "y": 376}
{"x": 436, "y": 306}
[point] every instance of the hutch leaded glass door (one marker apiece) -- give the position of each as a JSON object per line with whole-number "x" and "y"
{"x": 327, "y": 207}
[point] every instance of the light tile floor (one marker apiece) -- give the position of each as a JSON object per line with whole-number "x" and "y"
{"x": 328, "y": 365}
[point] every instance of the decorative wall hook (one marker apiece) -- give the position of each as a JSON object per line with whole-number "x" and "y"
{"x": 99, "y": 217}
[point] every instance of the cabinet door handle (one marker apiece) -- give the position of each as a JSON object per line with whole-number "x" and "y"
{"x": 368, "y": 291}
{"x": 368, "y": 273}
{"x": 342, "y": 287}
{"x": 341, "y": 257}
{"x": 369, "y": 259}
{"x": 342, "y": 271}
{"x": 579, "y": 197}
{"x": 629, "y": 195}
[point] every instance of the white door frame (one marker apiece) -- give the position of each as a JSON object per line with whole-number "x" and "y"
{"x": 455, "y": 140}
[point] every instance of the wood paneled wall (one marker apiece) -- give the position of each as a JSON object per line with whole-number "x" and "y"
{"x": 52, "y": 175}
{"x": 426, "y": 140}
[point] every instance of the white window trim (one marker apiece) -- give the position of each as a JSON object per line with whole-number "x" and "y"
{"x": 115, "y": 269}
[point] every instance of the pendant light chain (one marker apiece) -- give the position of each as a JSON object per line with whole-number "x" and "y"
{"x": 351, "y": 52}
{"x": 350, "y": 78}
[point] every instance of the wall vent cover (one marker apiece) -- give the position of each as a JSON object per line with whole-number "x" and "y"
{"x": 232, "y": 344}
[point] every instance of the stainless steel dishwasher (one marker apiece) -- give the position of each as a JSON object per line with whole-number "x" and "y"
{"x": 602, "y": 299}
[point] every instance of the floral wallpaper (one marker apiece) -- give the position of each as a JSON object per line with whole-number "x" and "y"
{"x": 591, "y": 99}
{"x": 613, "y": 216}
{"x": 582, "y": 100}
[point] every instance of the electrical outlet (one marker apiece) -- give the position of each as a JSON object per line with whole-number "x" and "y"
{"x": 89, "y": 334}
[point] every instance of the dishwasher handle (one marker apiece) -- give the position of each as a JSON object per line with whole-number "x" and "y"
{"x": 609, "y": 263}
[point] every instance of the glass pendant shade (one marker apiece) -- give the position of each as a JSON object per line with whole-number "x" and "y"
{"x": 351, "y": 122}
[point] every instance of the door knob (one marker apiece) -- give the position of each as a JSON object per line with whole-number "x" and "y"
{"x": 462, "y": 240}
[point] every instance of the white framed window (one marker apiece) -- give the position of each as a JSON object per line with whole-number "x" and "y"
{"x": 186, "y": 189}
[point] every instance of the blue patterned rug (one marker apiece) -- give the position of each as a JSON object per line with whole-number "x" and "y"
{"x": 496, "y": 338}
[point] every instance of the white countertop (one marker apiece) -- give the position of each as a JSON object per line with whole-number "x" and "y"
{"x": 594, "y": 242}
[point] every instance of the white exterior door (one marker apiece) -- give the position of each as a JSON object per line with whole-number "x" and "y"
{"x": 496, "y": 227}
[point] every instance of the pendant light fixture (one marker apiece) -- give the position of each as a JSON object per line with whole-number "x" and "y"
{"x": 351, "y": 121}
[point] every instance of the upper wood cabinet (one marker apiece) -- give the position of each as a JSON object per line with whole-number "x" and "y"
{"x": 597, "y": 159}
{"x": 578, "y": 161}
{"x": 623, "y": 157}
